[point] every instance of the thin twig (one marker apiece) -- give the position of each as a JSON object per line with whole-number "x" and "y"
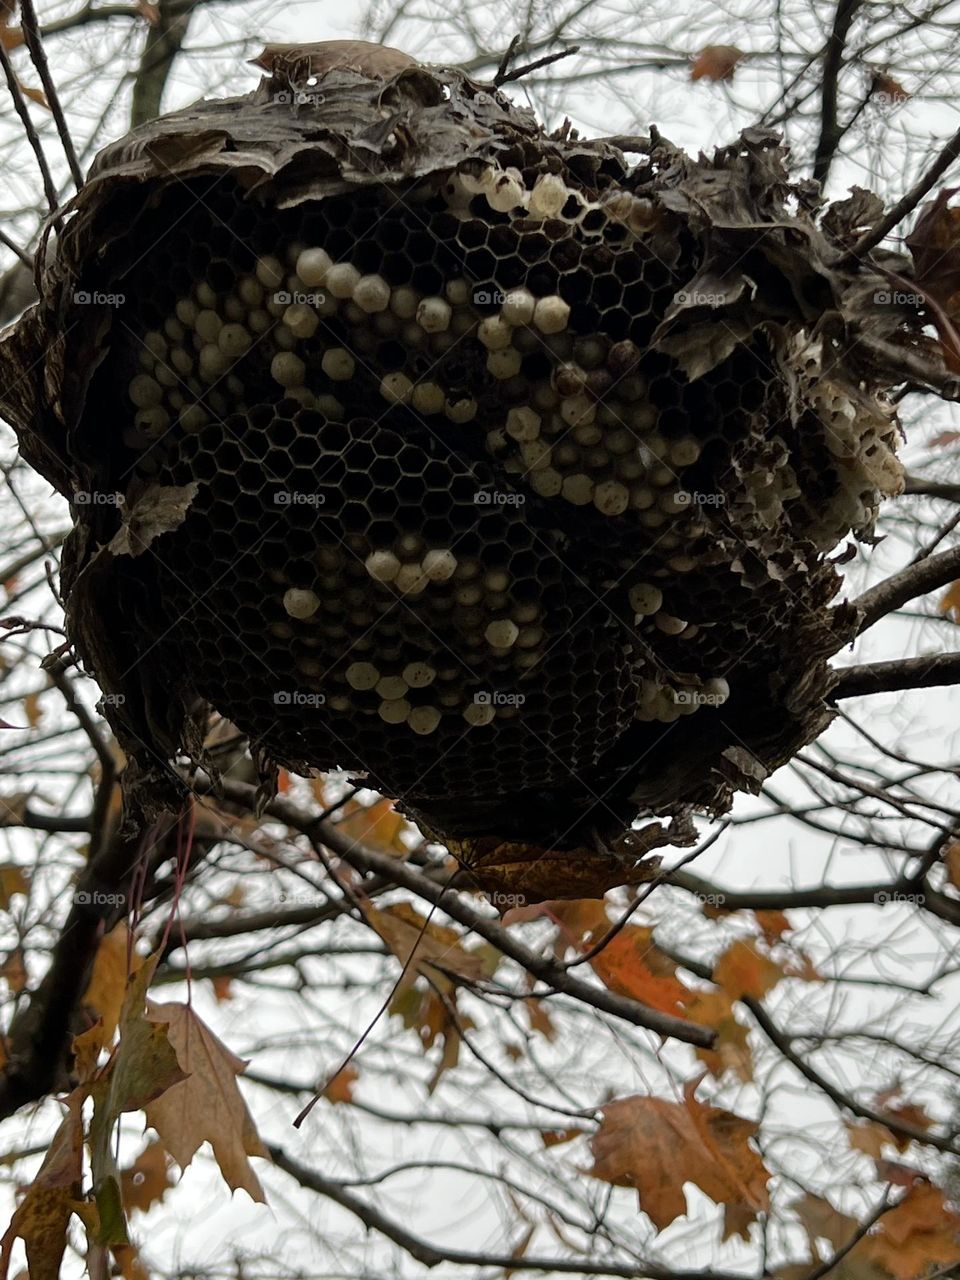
{"x": 20, "y": 106}
{"x": 906, "y": 203}
{"x": 31, "y": 36}
{"x": 525, "y": 70}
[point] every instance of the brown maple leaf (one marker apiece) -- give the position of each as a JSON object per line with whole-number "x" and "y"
{"x": 716, "y": 62}
{"x": 656, "y": 1146}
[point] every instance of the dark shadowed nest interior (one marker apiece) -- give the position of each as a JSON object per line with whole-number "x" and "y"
{"x": 502, "y": 469}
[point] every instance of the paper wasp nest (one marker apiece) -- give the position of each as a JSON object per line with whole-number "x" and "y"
{"x": 476, "y": 461}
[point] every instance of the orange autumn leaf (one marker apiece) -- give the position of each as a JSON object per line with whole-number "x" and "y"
{"x": 13, "y": 879}
{"x": 869, "y": 1137}
{"x": 918, "y": 1236}
{"x": 340, "y": 1087}
{"x": 145, "y": 1182}
{"x": 377, "y": 825}
{"x": 731, "y": 1049}
{"x": 773, "y": 925}
{"x": 744, "y": 971}
{"x": 540, "y": 1020}
{"x": 656, "y": 1146}
{"x": 556, "y": 1137}
{"x": 13, "y": 970}
{"x": 950, "y": 604}
{"x": 716, "y": 62}
{"x": 630, "y": 964}
{"x": 222, "y": 987}
{"x": 409, "y": 935}
{"x": 10, "y": 37}
{"x": 108, "y": 980}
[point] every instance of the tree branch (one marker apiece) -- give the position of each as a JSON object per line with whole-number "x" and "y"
{"x": 900, "y": 673}
{"x": 916, "y": 580}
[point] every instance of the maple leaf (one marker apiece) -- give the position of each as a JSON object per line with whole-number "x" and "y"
{"x": 919, "y": 1235}
{"x": 142, "y": 1068}
{"x": 950, "y": 604}
{"x": 731, "y": 1048}
{"x": 869, "y": 1137}
{"x": 408, "y": 934}
{"x": 773, "y": 925}
{"x": 716, "y": 62}
{"x": 630, "y": 964}
{"x": 13, "y": 879}
{"x": 377, "y": 825}
{"x": 13, "y": 970}
{"x": 207, "y": 1105}
{"x": 656, "y": 1146}
{"x": 106, "y": 989}
{"x": 340, "y": 1087}
{"x": 555, "y": 1137}
{"x": 540, "y": 1020}
{"x": 145, "y": 1182}
{"x": 934, "y": 244}
{"x": 822, "y": 1221}
{"x": 742, "y": 970}
{"x": 42, "y": 1216}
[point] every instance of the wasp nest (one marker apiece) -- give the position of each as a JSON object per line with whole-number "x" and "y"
{"x": 477, "y": 461}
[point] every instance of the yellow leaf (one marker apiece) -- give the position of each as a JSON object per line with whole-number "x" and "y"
{"x": 31, "y": 704}
{"x": 377, "y": 825}
{"x": 108, "y": 980}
